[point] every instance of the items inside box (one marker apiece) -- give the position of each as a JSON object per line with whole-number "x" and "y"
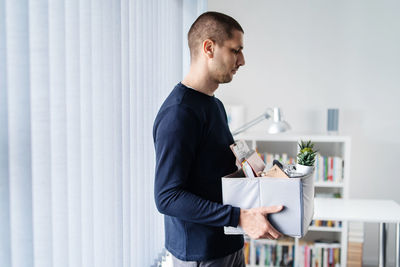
{"x": 252, "y": 164}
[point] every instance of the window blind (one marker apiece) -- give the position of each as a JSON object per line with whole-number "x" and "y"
{"x": 80, "y": 85}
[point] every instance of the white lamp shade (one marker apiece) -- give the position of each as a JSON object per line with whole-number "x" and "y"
{"x": 278, "y": 127}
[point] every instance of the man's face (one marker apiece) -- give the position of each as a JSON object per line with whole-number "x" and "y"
{"x": 227, "y": 58}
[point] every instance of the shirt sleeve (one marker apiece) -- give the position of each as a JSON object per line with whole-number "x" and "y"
{"x": 176, "y": 138}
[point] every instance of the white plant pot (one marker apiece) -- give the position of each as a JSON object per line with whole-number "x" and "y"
{"x": 304, "y": 169}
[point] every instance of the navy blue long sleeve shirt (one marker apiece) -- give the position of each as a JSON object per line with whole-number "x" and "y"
{"x": 192, "y": 139}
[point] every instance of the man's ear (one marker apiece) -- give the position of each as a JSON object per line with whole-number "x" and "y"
{"x": 208, "y": 48}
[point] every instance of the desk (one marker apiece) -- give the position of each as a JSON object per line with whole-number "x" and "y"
{"x": 363, "y": 210}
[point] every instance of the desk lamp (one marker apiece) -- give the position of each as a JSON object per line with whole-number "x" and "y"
{"x": 278, "y": 125}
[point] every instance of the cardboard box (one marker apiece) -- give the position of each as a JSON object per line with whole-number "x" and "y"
{"x": 295, "y": 194}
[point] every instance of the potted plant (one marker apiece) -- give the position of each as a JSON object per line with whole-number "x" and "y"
{"x": 306, "y": 157}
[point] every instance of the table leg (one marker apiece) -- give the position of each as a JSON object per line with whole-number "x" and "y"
{"x": 382, "y": 244}
{"x": 398, "y": 245}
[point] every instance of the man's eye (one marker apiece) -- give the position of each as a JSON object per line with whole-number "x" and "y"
{"x": 236, "y": 51}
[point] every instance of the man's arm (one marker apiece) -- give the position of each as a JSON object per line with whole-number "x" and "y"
{"x": 177, "y": 137}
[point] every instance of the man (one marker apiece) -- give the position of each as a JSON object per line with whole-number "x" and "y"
{"x": 192, "y": 139}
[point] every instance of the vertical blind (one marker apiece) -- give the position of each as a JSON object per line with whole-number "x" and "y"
{"x": 80, "y": 84}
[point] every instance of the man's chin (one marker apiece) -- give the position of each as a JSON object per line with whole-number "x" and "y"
{"x": 227, "y": 79}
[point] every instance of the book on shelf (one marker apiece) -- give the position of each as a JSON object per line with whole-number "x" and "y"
{"x": 321, "y": 254}
{"x": 274, "y": 253}
{"x": 284, "y": 158}
{"x": 282, "y": 253}
{"x": 328, "y": 169}
{"x": 326, "y": 223}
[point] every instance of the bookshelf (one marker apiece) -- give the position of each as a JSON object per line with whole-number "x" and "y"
{"x": 335, "y": 149}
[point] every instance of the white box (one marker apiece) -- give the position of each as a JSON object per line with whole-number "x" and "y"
{"x": 295, "y": 194}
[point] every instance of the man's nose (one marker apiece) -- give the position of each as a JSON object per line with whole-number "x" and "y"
{"x": 240, "y": 60}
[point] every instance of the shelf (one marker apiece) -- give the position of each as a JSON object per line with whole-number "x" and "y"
{"x": 324, "y": 229}
{"x": 328, "y": 146}
{"x": 328, "y": 184}
{"x": 292, "y": 137}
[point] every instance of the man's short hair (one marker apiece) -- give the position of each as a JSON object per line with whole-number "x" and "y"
{"x": 211, "y": 25}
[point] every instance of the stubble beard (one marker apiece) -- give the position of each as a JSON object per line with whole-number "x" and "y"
{"x": 224, "y": 78}
{"x": 222, "y": 75}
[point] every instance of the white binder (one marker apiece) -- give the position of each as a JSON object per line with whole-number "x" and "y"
{"x": 295, "y": 194}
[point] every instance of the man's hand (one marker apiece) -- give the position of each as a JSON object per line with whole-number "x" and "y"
{"x": 255, "y": 224}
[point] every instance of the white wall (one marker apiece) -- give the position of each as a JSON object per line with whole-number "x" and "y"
{"x": 191, "y": 10}
{"x": 306, "y": 56}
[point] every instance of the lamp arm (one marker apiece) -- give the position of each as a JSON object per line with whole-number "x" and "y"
{"x": 246, "y": 126}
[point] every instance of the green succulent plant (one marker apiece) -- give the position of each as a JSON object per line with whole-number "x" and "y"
{"x": 307, "y": 153}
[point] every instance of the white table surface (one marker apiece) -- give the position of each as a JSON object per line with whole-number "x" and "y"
{"x": 365, "y": 210}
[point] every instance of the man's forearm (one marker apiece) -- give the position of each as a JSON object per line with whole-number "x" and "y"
{"x": 189, "y": 207}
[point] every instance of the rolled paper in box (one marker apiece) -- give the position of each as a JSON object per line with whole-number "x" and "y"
{"x": 295, "y": 194}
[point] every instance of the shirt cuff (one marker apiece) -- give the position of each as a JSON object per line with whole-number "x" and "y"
{"x": 235, "y": 215}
